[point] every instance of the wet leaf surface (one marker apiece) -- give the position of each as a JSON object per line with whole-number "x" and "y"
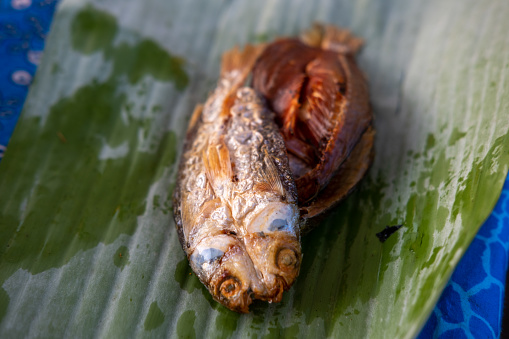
{"x": 89, "y": 171}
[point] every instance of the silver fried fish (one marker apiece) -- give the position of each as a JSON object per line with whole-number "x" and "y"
{"x": 235, "y": 203}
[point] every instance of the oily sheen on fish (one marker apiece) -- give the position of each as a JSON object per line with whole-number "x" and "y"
{"x": 321, "y": 101}
{"x": 235, "y": 203}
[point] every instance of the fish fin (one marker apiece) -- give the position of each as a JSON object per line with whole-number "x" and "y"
{"x": 340, "y": 40}
{"x": 331, "y": 38}
{"x": 263, "y": 187}
{"x": 241, "y": 61}
{"x": 209, "y": 206}
{"x": 206, "y": 210}
{"x": 313, "y": 36}
{"x": 195, "y": 117}
{"x": 236, "y": 65}
{"x": 228, "y": 103}
{"x": 271, "y": 176}
{"x": 187, "y": 218}
{"x": 218, "y": 169}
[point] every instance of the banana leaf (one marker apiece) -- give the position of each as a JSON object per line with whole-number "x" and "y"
{"x": 88, "y": 245}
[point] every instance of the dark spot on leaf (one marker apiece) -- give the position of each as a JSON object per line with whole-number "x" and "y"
{"x": 121, "y": 257}
{"x": 387, "y": 232}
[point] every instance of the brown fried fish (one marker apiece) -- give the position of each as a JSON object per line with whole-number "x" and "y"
{"x": 236, "y": 203}
{"x": 321, "y": 102}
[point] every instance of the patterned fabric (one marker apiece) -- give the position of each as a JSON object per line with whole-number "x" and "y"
{"x": 471, "y": 304}
{"x": 24, "y": 25}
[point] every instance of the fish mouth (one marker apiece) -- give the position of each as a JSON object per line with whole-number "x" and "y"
{"x": 275, "y": 293}
{"x": 234, "y": 294}
{"x": 238, "y": 295}
{"x": 278, "y": 271}
{"x": 275, "y": 256}
{"x": 287, "y": 260}
{"x": 262, "y": 267}
{"x": 229, "y": 287}
{"x": 237, "y": 287}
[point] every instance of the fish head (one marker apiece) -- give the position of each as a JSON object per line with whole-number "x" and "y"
{"x": 222, "y": 264}
{"x": 262, "y": 264}
{"x": 272, "y": 242}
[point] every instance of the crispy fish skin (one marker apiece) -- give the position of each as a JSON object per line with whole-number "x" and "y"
{"x": 235, "y": 203}
{"x": 321, "y": 101}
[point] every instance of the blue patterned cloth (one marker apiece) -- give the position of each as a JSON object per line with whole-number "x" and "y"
{"x": 24, "y": 25}
{"x": 471, "y": 304}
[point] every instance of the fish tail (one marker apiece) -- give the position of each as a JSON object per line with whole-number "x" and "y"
{"x": 331, "y": 38}
{"x": 236, "y": 65}
{"x": 240, "y": 62}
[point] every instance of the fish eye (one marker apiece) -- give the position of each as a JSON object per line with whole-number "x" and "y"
{"x": 286, "y": 259}
{"x": 207, "y": 255}
{"x": 276, "y": 217}
{"x": 229, "y": 287}
{"x": 278, "y": 225}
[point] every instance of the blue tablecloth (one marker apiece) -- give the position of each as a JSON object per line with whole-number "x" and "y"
{"x": 471, "y": 304}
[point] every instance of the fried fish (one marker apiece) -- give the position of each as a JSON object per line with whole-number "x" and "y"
{"x": 260, "y": 162}
{"x": 236, "y": 202}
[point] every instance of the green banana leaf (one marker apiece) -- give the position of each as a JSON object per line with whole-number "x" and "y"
{"x": 88, "y": 245}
